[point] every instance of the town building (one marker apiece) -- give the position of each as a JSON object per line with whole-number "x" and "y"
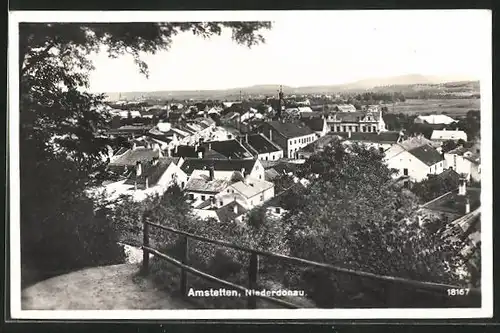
{"x": 464, "y": 161}
{"x": 382, "y": 141}
{"x": 356, "y": 121}
{"x": 446, "y": 135}
{"x": 415, "y": 163}
{"x": 434, "y": 119}
{"x": 289, "y": 136}
{"x": 224, "y": 168}
{"x": 318, "y": 125}
{"x": 261, "y": 147}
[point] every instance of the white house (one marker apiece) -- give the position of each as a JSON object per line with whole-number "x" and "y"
{"x": 245, "y": 167}
{"x": 464, "y": 161}
{"x": 262, "y": 147}
{"x": 415, "y": 163}
{"x": 254, "y": 191}
{"x": 149, "y": 177}
{"x": 290, "y": 137}
{"x": 445, "y": 135}
{"x": 434, "y": 119}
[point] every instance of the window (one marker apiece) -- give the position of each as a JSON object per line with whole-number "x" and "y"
{"x": 203, "y": 197}
{"x": 262, "y": 197}
{"x": 191, "y": 196}
{"x": 221, "y": 203}
{"x": 381, "y": 150}
{"x": 266, "y": 158}
{"x": 405, "y": 171}
{"x": 278, "y": 210}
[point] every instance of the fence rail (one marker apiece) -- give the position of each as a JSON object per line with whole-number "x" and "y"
{"x": 253, "y": 268}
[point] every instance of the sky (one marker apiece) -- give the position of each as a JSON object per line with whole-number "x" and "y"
{"x": 317, "y": 48}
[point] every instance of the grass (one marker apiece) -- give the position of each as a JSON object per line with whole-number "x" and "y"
{"x": 452, "y": 107}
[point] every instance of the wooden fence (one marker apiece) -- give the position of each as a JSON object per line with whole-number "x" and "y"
{"x": 253, "y": 269}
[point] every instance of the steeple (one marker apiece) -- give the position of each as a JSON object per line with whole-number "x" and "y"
{"x": 280, "y": 102}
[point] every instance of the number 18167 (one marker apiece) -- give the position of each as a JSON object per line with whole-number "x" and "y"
{"x": 458, "y": 291}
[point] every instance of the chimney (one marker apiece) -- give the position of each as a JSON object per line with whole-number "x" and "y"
{"x": 235, "y": 208}
{"x": 210, "y": 146}
{"x": 349, "y": 134}
{"x": 147, "y": 183}
{"x": 270, "y": 135}
{"x": 138, "y": 168}
{"x": 462, "y": 187}
{"x": 467, "y": 206}
{"x": 243, "y": 171}
{"x": 211, "y": 173}
{"x": 419, "y": 220}
{"x": 246, "y": 138}
{"x": 169, "y": 152}
{"x": 176, "y": 149}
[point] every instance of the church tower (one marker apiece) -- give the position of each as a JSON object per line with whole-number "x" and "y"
{"x": 281, "y": 102}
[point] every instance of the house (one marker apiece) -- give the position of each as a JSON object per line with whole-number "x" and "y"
{"x": 289, "y": 136}
{"x": 318, "y": 125}
{"x": 453, "y": 204}
{"x": 232, "y": 211}
{"x": 317, "y": 146}
{"x": 224, "y": 167}
{"x": 441, "y": 119}
{"x": 129, "y": 131}
{"x": 345, "y": 108}
{"x": 283, "y": 201}
{"x": 253, "y": 191}
{"x": 416, "y": 163}
{"x": 356, "y": 121}
{"x": 149, "y": 177}
{"x": 200, "y": 189}
{"x": 464, "y": 161}
{"x": 228, "y": 149}
{"x": 262, "y": 148}
{"x": 445, "y": 135}
{"x": 381, "y": 141}
{"x": 128, "y": 159}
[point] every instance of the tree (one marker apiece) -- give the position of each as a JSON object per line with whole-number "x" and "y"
{"x": 61, "y": 149}
{"x": 436, "y": 185}
{"x": 449, "y": 145}
{"x": 351, "y": 216}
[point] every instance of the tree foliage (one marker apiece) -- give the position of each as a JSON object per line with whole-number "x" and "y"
{"x": 351, "y": 216}
{"x": 62, "y": 151}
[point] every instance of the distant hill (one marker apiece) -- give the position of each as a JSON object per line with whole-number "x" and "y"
{"x": 271, "y": 89}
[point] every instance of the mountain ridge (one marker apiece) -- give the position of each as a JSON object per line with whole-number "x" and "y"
{"x": 271, "y": 89}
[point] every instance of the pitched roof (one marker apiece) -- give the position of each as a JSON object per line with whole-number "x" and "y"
{"x": 451, "y": 202}
{"x": 229, "y": 148}
{"x": 130, "y": 129}
{"x": 226, "y": 213}
{"x": 437, "y": 119}
{"x": 260, "y": 144}
{"x": 191, "y": 164}
{"x": 132, "y": 156}
{"x": 448, "y": 135}
{"x": 320, "y": 143}
{"x": 426, "y": 154}
{"x": 316, "y": 124}
{"x": 152, "y": 171}
{"x": 415, "y": 142}
{"x": 206, "y": 185}
{"x": 271, "y": 174}
{"x": 185, "y": 151}
{"x": 388, "y": 136}
{"x": 251, "y": 187}
{"x": 289, "y": 130}
{"x": 311, "y": 114}
{"x": 353, "y": 117}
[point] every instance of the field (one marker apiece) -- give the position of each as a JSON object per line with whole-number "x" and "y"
{"x": 452, "y": 107}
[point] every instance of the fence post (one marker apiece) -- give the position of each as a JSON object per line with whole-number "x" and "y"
{"x": 184, "y": 260}
{"x": 253, "y": 273}
{"x": 145, "y": 253}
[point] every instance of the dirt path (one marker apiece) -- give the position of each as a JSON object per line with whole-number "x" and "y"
{"x": 100, "y": 288}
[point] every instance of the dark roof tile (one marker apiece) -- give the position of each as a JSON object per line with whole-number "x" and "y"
{"x": 426, "y": 154}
